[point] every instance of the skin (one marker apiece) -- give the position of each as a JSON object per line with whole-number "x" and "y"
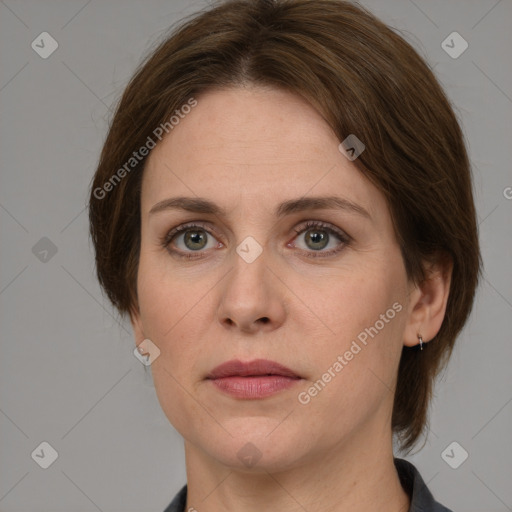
{"x": 249, "y": 149}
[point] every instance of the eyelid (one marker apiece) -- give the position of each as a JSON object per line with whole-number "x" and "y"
{"x": 324, "y": 225}
{"x": 168, "y": 236}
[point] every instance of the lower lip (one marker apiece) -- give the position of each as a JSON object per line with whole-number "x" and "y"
{"x": 254, "y": 387}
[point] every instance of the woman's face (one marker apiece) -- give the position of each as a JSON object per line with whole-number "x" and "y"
{"x": 272, "y": 276}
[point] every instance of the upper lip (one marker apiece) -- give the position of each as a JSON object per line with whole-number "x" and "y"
{"x": 235, "y": 367}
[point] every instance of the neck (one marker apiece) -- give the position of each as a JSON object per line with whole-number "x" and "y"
{"x": 355, "y": 477}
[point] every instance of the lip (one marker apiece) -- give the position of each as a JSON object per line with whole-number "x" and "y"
{"x": 255, "y": 379}
{"x": 255, "y": 368}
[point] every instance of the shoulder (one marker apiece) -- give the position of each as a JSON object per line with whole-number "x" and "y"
{"x": 179, "y": 502}
{"x": 421, "y": 497}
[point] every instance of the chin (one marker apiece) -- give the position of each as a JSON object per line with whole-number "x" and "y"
{"x": 255, "y": 458}
{"x": 256, "y": 445}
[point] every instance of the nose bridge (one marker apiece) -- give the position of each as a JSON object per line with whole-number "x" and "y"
{"x": 248, "y": 280}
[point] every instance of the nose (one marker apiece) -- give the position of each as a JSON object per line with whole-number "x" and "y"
{"x": 252, "y": 298}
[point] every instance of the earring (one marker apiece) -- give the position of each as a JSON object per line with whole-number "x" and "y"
{"x": 421, "y": 341}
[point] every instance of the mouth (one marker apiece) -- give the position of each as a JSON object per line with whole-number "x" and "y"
{"x": 255, "y": 379}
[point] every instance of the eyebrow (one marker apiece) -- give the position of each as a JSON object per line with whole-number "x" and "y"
{"x": 201, "y": 205}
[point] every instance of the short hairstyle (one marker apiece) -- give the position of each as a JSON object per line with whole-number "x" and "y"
{"x": 364, "y": 79}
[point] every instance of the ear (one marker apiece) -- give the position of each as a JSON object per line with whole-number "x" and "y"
{"x": 428, "y": 299}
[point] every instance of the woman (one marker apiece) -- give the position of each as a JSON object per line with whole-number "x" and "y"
{"x": 284, "y": 208}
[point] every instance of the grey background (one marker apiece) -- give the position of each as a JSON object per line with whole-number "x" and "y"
{"x": 68, "y": 375}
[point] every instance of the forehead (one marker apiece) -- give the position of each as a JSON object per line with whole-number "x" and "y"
{"x": 259, "y": 145}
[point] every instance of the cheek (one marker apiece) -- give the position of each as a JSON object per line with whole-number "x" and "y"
{"x": 172, "y": 307}
{"x": 163, "y": 297}
{"x": 169, "y": 309}
{"x": 363, "y": 316}
{"x": 354, "y": 366}
{"x": 355, "y": 300}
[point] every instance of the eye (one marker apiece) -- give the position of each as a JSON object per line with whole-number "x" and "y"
{"x": 189, "y": 239}
{"x": 319, "y": 236}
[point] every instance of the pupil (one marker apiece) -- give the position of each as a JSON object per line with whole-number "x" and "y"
{"x": 318, "y": 237}
{"x": 195, "y": 237}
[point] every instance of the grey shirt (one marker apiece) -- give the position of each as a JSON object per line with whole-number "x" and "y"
{"x": 421, "y": 498}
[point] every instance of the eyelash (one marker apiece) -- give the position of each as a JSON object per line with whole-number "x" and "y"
{"x": 343, "y": 237}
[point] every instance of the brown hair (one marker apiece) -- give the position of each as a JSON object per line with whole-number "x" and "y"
{"x": 364, "y": 79}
